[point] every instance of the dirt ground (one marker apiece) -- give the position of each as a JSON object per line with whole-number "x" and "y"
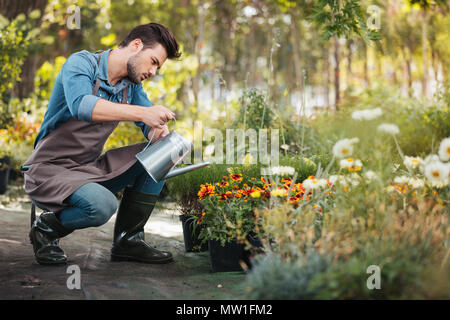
{"x": 188, "y": 277}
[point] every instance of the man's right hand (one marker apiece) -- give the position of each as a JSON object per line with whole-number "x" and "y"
{"x": 157, "y": 116}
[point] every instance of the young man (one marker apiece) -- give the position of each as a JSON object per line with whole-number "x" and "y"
{"x": 68, "y": 176}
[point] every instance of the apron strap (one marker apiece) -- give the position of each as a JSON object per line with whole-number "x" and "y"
{"x": 97, "y": 83}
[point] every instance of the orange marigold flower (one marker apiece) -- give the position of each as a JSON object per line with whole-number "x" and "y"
{"x": 265, "y": 181}
{"x": 206, "y": 190}
{"x": 223, "y": 183}
{"x": 236, "y": 177}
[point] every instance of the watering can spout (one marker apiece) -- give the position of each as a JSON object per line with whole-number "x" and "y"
{"x": 177, "y": 171}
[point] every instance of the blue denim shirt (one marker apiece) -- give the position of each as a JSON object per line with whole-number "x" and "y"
{"x": 72, "y": 92}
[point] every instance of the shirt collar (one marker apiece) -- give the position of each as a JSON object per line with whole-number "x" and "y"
{"x": 103, "y": 72}
{"x": 103, "y": 68}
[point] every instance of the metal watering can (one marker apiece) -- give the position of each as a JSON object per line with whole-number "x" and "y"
{"x": 160, "y": 158}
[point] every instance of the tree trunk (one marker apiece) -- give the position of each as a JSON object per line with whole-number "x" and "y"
{"x": 198, "y": 48}
{"x": 424, "y": 54}
{"x": 336, "y": 74}
{"x": 11, "y": 8}
{"x": 349, "y": 63}
{"x": 296, "y": 54}
{"x": 328, "y": 77}
{"x": 408, "y": 76}
{"x": 366, "y": 66}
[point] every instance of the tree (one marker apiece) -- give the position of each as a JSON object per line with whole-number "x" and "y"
{"x": 11, "y": 9}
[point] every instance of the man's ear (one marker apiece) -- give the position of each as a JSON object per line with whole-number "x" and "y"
{"x": 136, "y": 45}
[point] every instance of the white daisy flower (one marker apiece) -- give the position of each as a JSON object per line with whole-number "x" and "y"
{"x": 388, "y": 128}
{"x": 370, "y": 175}
{"x": 444, "y": 149}
{"x": 334, "y": 178}
{"x": 416, "y": 183}
{"x": 344, "y": 148}
{"x": 401, "y": 180}
{"x": 412, "y": 162}
{"x": 436, "y": 172}
{"x": 351, "y": 164}
{"x": 428, "y": 160}
{"x": 313, "y": 183}
{"x": 367, "y": 114}
{"x": 390, "y": 189}
{"x": 282, "y": 171}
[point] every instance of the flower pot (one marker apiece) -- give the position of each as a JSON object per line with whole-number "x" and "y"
{"x": 4, "y": 176}
{"x": 191, "y": 240}
{"x": 232, "y": 255}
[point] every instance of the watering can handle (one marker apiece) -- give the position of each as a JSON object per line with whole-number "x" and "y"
{"x": 153, "y": 135}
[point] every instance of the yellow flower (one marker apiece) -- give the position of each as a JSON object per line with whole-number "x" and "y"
{"x": 255, "y": 194}
{"x": 278, "y": 192}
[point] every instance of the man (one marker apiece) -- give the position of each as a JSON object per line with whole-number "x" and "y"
{"x": 68, "y": 176}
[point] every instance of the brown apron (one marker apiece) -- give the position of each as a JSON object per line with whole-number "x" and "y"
{"x": 70, "y": 156}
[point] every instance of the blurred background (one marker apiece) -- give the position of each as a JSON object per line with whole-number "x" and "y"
{"x": 279, "y": 60}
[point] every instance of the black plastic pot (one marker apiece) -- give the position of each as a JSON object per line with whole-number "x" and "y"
{"x": 4, "y": 175}
{"x": 191, "y": 241}
{"x": 226, "y": 258}
{"x": 233, "y": 255}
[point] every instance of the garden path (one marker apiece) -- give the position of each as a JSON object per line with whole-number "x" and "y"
{"x": 188, "y": 277}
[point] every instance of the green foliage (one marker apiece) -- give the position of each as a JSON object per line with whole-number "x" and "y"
{"x": 342, "y": 18}
{"x": 253, "y": 108}
{"x": 45, "y": 77}
{"x": 272, "y": 278}
{"x": 15, "y": 40}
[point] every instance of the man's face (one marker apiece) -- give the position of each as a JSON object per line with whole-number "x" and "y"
{"x": 145, "y": 63}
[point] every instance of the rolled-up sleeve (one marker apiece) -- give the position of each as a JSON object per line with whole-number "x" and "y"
{"x": 140, "y": 99}
{"x": 77, "y": 78}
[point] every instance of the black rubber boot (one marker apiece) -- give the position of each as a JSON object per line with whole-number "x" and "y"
{"x": 44, "y": 236}
{"x": 129, "y": 243}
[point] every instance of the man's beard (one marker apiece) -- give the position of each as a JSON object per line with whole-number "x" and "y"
{"x": 133, "y": 74}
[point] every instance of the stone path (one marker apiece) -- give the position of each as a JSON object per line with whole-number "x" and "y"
{"x": 188, "y": 277}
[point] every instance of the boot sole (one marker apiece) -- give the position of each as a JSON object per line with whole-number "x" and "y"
{"x": 116, "y": 258}
{"x": 43, "y": 262}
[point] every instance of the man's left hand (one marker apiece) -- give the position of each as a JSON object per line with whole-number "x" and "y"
{"x": 160, "y": 133}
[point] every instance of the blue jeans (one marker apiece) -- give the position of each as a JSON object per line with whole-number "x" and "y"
{"x": 94, "y": 203}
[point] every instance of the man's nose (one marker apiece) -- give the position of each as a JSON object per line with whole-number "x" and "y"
{"x": 152, "y": 71}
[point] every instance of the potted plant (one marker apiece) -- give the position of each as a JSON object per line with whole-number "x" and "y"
{"x": 190, "y": 208}
{"x": 5, "y": 162}
{"x": 228, "y": 222}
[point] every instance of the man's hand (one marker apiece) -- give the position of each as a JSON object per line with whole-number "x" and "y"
{"x": 160, "y": 133}
{"x": 157, "y": 116}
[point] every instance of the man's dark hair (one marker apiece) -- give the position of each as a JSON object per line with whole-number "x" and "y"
{"x": 152, "y": 34}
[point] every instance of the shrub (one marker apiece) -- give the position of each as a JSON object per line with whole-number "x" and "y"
{"x": 273, "y": 278}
